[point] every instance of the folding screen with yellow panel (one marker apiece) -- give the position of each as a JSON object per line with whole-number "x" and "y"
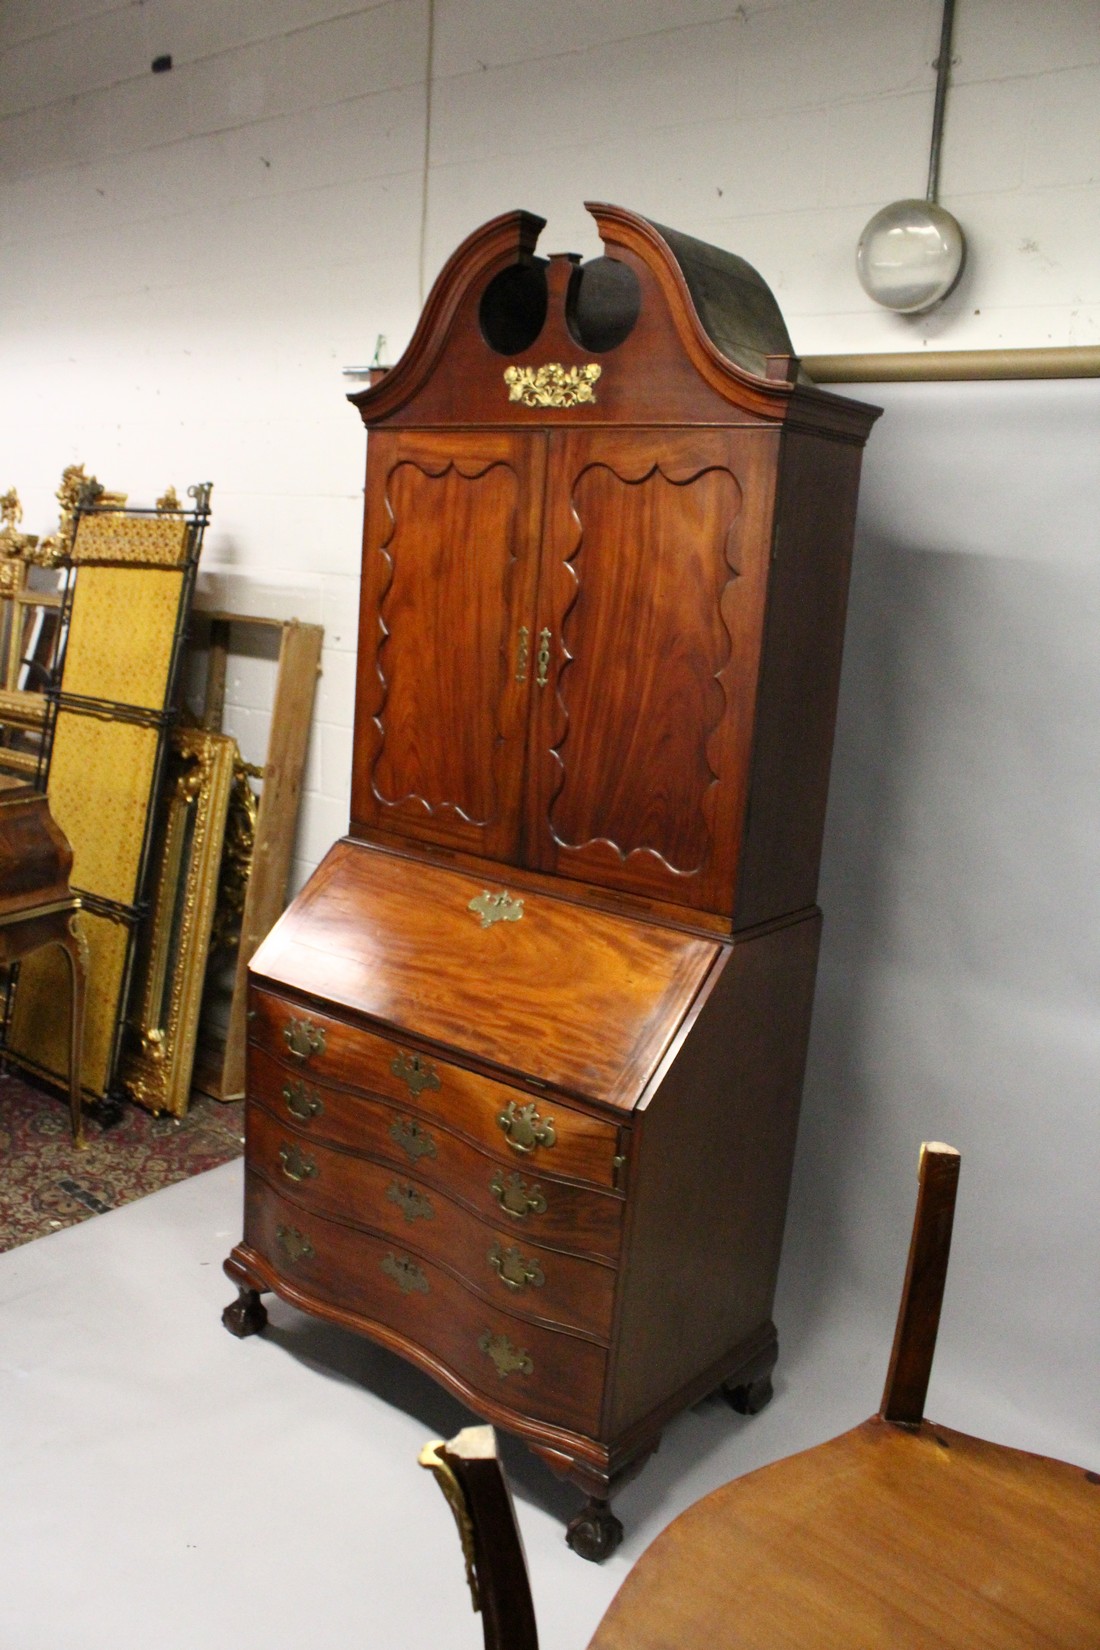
{"x": 134, "y": 577}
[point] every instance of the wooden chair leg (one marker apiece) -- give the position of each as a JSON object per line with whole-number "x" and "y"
{"x": 470, "y": 1476}
{"x": 922, "y": 1296}
{"x": 75, "y": 948}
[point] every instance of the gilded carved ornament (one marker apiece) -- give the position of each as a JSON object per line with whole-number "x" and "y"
{"x": 553, "y": 385}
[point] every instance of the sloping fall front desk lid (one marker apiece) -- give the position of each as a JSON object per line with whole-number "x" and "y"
{"x": 584, "y": 1001}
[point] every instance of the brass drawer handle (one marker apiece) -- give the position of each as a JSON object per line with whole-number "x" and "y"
{"x": 509, "y": 1360}
{"x": 294, "y": 1244}
{"x": 301, "y": 1102}
{"x": 417, "y": 1072}
{"x": 405, "y": 1273}
{"x": 525, "y": 1129}
{"x": 523, "y": 648}
{"x": 515, "y": 1197}
{"x": 296, "y": 1166}
{"x": 412, "y": 1202}
{"x": 514, "y": 1269}
{"x": 414, "y": 1141}
{"x": 303, "y": 1038}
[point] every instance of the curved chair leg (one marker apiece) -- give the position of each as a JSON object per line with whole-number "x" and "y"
{"x": 75, "y": 947}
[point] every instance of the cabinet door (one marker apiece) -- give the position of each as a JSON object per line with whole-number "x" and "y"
{"x": 449, "y": 572}
{"x": 651, "y": 605}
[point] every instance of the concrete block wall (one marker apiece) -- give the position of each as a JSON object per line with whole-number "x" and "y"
{"x": 190, "y": 258}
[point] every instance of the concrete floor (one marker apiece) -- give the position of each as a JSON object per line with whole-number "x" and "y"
{"x": 166, "y": 1487}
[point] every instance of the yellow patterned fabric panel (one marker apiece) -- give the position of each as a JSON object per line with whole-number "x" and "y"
{"x": 39, "y": 1032}
{"x": 120, "y": 634}
{"x": 101, "y": 779}
{"x": 134, "y": 541}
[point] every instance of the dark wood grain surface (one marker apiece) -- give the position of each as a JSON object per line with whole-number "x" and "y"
{"x": 548, "y": 1286}
{"x": 567, "y": 1214}
{"x": 584, "y": 1002}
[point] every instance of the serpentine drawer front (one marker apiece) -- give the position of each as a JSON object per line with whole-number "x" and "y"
{"x": 381, "y": 1282}
{"x": 534, "y": 1127}
{"x": 507, "y": 1267}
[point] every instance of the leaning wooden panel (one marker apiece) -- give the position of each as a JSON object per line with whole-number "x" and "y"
{"x": 156, "y": 1065}
{"x": 259, "y": 835}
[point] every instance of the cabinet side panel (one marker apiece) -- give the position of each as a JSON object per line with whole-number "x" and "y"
{"x": 709, "y": 1187}
{"x": 800, "y": 677}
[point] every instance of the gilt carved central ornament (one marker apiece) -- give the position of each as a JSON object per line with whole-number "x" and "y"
{"x": 553, "y": 385}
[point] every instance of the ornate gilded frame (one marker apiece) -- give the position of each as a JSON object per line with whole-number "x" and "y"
{"x": 163, "y": 1030}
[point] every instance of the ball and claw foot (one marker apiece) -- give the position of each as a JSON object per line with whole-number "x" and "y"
{"x": 595, "y": 1532}
{"x": 247, "y": 1315}
{"x": 749, "y": 1397}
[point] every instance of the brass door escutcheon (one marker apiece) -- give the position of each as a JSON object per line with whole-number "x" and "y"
{"x": 417, "y": 1072}
{"x": 296, "y": 1166}
{"x": 414, "y": 1141}
{"x": 515, "y": 1197}
{"x": 542, "y": 661}
{"x": 294, "y": 1244}
{"x": 412, "y": 1203}
{"x": 509, "y": 1360}
{"x": 523, "y": 647}
{"x": 406, "y": 1274}
{"x": 303, "y": 1038}
{"x": 514, "y": 1269}
{"x": 495, "y": 908}
{"x": 525, "y": 1129}
{"x": 302, "y": 1102}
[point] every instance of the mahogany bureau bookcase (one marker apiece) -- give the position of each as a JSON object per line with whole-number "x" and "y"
{"x": 526, "y": 1053}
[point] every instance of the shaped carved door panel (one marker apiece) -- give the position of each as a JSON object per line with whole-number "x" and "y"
{"x": 449, "y": 571}
{"x": 654, "y": 576}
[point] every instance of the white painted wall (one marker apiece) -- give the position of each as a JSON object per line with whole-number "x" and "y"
{"x": 190, "y": 258}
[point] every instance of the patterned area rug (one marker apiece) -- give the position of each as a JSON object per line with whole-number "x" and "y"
{"x": 45, "y": 1183}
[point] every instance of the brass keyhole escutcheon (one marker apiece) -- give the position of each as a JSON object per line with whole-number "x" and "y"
{"x": 514, "y": 1269}
{"x": 303, "y": 1038}
{"x": 412, "y": 1202}
{"x": 294, "y": 1244}
{"x": 492, "y": 908}
{"x": 302, "y": 1102}
{"x": 406, "y": 1274}
{"x": 542, "y": 660}
{"x": 525, "y": 1130}
{"x": 414, "y": 1141}
{"x": 419, "y": 1074}
{"x": 296, "y": 1166}
{"x": 515, "y": 1197}
{"x": 508, "y": 1359}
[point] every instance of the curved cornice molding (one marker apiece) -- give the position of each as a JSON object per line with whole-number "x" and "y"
{"x": 716, "y": 304}
{"x": 498, "y": 243}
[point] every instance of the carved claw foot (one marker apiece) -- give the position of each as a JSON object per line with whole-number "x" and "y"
{"x": 247, "y": 1315}
{"x": 595, "y": 1532}
{"x": 749, "y": 1397}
